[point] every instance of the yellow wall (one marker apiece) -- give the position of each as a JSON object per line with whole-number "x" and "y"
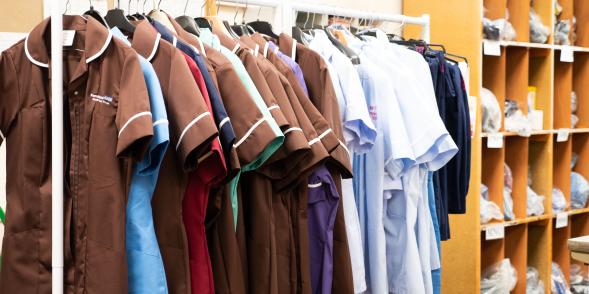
{"x": 20, "y": 15}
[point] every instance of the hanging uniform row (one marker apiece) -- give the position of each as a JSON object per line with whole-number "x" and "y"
{"x": 216, "y": 164}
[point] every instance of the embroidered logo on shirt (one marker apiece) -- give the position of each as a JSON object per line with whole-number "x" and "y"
{"x": 102, "y": 99}
{"x": 373, "y": 112}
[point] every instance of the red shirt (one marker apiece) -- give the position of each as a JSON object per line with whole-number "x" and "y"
{"x": 211, "y": 170}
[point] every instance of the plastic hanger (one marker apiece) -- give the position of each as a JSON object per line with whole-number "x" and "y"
{"x": 116, "y": 18}
{"x": 262, "y": 27}
{"x": 299, "y": 35}
{"x": 138, "y": 15}
{"x": 95, "y": 14}
{"x": 202, "y": 22}
{"x": 188, "y": 23}
{"x": 162, "y": 17}
{"x": 241, "y": 29}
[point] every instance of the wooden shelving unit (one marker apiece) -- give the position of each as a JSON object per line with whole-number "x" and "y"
{"x": 543, "y": 157}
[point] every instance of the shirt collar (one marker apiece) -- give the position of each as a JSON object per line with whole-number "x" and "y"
{"x": 116, "y": 32}
{"x": 207, "y": 37}
{"x": 323, "y": 45}
{"x": 146, "y": 40}
{"x": 97, "y": 39}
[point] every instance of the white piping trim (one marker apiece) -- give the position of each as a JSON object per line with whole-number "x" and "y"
{"x": 256, "y": 50}
{"x": 131, "y": 119}
{"x": 276, "y": 49}
{"x": 344, "y": 145}
{"x": 2, "y": 136}
{"x": 292, "y": 129}
{"x": 202, "y": 158}
{"x": 160, "y": 122}
{"x": 189, "y": 126}
{"x": 275, "y": 106}
{"x": 320, "y": 137}
{"x": 252, "y": 52}
{"x": 195, "y": 50}
{"x": 202, "y": 47}
{"x": 235, "y": 48}
{"x": 174, "y": 40}
{"x": 293, "y": 53}
{"x": 312, "y": 186}
{"x": 155, "y": 46}
{"x": 38, "y": 63}
{"x": 249, "y": 132}
{"x": 223, "y": 122}
{"x": 266, "y": 46}
{"x": 88, "y": 60}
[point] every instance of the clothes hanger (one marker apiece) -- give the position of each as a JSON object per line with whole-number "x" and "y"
{"x": 138, "y": 15}
{"x": 188, "y": 23}
{"x": 262, "y": 27}
{"x": 67, "y": 7}
{"x": 237, "y": 29}
{"x": 202, "y": 22}
{"x": 116, "y": 18}
{"x": 299, "y": 35}
{"x": 343, "y": 48}
{"x": 242, "y": 29}
{"x": 217, "y": 25}
{"x": 95, "y": 14}
{"x": 162, "y": 17}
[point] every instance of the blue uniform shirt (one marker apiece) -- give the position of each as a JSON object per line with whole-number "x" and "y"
{"x": 144, "y": 261}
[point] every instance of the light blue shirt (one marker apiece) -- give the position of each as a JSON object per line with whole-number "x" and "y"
{"x": 407, "y": 220}
{"x": 144, "y": 261}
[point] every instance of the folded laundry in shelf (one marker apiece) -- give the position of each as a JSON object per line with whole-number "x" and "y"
{"x": 499, "y": 278}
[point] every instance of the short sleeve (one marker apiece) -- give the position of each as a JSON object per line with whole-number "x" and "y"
{"x": 252, "y": 129}
{"x": 191, "y": 123}
{"x": 9, "y": 94}
{"x": 134, "y": 118}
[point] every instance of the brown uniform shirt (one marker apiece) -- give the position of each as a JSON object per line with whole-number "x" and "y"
{"x": 191, "y": 130}
{"x": 107, "y": 119}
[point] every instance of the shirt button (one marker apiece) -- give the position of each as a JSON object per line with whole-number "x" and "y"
{"x": 76, "y": 93}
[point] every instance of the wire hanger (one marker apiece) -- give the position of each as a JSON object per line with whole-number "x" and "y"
{"x": 95, "y": 14}
{"x": 67, "y": 7}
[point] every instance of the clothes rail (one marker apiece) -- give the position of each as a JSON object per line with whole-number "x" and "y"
{"x": 57, "y": 176}
{"x": 423, "y": 20}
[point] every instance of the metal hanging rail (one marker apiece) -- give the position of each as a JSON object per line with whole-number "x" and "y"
{"x": 423, "y": 20}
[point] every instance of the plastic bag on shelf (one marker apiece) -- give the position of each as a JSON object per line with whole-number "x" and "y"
{"x": 516, "y": 120}
{"x": 489, "y": 210}
{"x": 574, "y": 120}
{"x": 508, "y": 204}
{"x": 579, "y": 190}
{"x": 499, "y": 278}
{"x": 559, "y": 202}
{"x": 534, "y": 284}
{"x": 576, "y": 274}
{"x": 498, "y": 29}
{"x": 574, "y": 102}
{"x": 579, "y": 282}
{"x": 538, "y": 31}
{"x": 561, "y": 32}
{"x": 574, "y": 159}
{"x": 558, "y": 282}
{"x": 535, "y": 203}
{"x": 491, "y": 112}
{"x": 507, "y": 177}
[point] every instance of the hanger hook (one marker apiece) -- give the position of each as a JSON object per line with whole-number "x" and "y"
{"x": 185, "y": 7}
{"x": 159, "y": 4}
{"x": 218, "y": 5}
{"x": 313, "y": 20}
{"x": 129, "y": 7}
{"x": 202, "y": 8}
{"x": 91, "y": 6}
{"x": 306, "y": 20}
{"x": 244, "y": 11}
{"x": 235, "y": 15}
{"x": 142, "y": 8}
{"x": 259, "y": 11}
{"x": 67, "y": 7}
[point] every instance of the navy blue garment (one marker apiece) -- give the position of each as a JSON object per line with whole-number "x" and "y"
{"x": 437, "y": 68}
{"x": 226, "y": 133}
{"x": 459, "y": 121}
